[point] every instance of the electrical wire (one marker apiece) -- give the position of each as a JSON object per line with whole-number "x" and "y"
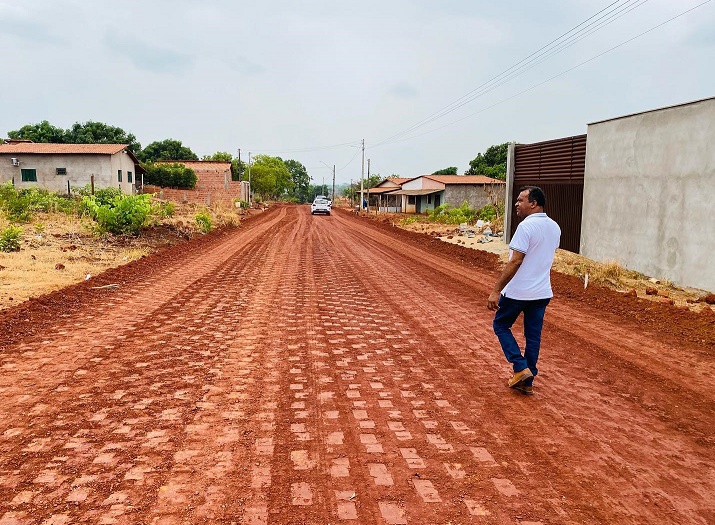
{"x": 547, "y": 80}
{"x": 304, "y": 150}
{"x": 608, "y": 15}
{"x": 350, "y": 161}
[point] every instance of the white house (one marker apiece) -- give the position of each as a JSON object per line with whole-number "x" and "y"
{"x": 56, "y": 166}
{"x": 429, "y": 191}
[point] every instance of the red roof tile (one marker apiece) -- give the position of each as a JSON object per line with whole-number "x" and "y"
{"x": 46, "y": 148}
{"x": 464, "y": 179}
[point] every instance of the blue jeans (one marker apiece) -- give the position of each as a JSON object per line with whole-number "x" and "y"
{"x": 509, "y": 310}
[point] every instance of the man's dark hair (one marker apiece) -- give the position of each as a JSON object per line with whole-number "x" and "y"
{"x": 535, "y": 194}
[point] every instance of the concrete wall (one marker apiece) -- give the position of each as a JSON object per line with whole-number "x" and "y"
{"x": 122, "y": 161}
{"x": 648, "y": 193}
{"x": 79, "y": 168}
{"x": 476, "y": 195}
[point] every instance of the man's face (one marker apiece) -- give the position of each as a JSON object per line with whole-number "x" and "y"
{"x": 523, "y": 206}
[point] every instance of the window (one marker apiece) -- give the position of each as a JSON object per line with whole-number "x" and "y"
{"x": 410, "y": 199}
{"x": 129, "y": 176}
{"x": 429, "y": 199}
{"x": 119, "y": 175}
{"x": 61, "y": 171}
{"x": 29, "y": 175}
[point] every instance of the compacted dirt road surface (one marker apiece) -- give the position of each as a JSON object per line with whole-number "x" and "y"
{"x": 323, "y": 370}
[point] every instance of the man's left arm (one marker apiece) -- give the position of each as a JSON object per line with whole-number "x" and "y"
{"x": 507, "y": 275}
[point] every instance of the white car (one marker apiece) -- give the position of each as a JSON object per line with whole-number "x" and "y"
{"x": 320, "y": 206}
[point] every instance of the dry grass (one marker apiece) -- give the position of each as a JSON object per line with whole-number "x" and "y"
{"x": 609, "y": 275}
{"x": 58, "y": 250}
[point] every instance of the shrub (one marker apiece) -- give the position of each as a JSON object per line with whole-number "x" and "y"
{"x": 487, "y": 213}
{"x": 19, "y": 205}
{"x": 10, "y": 239}
{"x": 105, "y": 196}
{"x": 163, "y": 210}
{"x": 125, "y": 214}
{"x": 446, "y": 214}
{"x": 203, "y": 220}
{"x": 409, "y": 220}
{"x": 170, "y": 175}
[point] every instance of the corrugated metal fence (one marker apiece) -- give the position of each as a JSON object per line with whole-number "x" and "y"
{"x": 557, "y": 167}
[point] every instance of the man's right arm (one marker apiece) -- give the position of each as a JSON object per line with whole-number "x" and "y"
{"x": 507, "y": 275}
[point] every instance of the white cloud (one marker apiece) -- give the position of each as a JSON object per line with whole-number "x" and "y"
{"x": 281, "y": 75}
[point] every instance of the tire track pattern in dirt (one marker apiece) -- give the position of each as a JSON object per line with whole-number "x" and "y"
{"x": 320, "y": 370}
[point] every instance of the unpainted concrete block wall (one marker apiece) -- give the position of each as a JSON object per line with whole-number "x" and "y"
{"x": 476, "y": 195}
{"x": 648, "y": 193}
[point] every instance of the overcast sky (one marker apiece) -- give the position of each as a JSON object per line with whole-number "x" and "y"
{"x": 294, "y": 78}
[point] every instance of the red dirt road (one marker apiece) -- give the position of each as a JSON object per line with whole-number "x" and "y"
{"x": 315, "y": 370}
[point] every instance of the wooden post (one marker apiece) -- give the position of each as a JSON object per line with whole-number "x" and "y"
{"x": 91, "y": 179}
{"x": 69, "y": 193}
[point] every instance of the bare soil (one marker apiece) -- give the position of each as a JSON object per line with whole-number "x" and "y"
{"x": 58, "y": 250}
{"x": 605, "y": 275}
{"x": 299, "y": 369}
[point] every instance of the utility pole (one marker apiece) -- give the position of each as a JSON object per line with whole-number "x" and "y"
{"x": 368, "y": 184}
{"x": 333, "y": 198}
{"x": 239, "y": 165}
{"x": 362, "y": 174}
{"x": 250, "y": 190}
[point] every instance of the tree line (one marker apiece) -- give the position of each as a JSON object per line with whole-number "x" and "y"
{"x": 491, "y": 163}
{"x": 271, "y": 177}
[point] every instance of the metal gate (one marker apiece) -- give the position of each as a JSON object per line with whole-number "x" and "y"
{"x": 557, "y": 167}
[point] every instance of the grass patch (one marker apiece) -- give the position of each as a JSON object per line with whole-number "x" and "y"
{"x": 203, "y": 221}
{"x": 10, "y": 239}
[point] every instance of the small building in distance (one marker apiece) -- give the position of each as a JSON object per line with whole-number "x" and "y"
{"x": 420, "y": 194}
{"x": 56, "y": 167}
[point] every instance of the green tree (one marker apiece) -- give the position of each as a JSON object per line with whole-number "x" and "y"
{"x": 372, "y": 181}
{"x": 169, "y": 175}
{"x": 168, "y": 149}
{"x": 452, "y": 170}
{"x": 492, "y": 163}
{"x": 100, "y": 133}
{"x": 42, "y": 132}
{"x": 300, "y": 179}
{"x": 238, "y": 167}
{"x": 270, "y": 177}
{"x": 80, "y": 133}
{"x": 219, "y": 156}
{"x": 318, "y": 189}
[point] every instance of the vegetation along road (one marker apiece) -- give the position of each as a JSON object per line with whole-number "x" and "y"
{"x": 314, "y": 369}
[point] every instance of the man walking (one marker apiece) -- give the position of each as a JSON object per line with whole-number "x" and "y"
{"x": 525, "y": 286}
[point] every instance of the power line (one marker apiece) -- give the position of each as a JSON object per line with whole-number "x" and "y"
{"x": 608, "y": 15}
{"x": 549, "y": 79}
{"x": 306, "y": 150}
{"x": 350, "y": 161}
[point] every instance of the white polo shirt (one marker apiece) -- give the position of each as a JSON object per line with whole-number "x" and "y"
{"x": 537, "y": 237}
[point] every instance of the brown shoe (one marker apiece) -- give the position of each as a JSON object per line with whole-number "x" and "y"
{"x": 519, "y": 377}
{"x": 524, "y": 389}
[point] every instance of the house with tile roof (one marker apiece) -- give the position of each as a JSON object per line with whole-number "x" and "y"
{"x": 56, "y": 167}
{"x": 382, "y": 196}
{"x": 426, "y": 192}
